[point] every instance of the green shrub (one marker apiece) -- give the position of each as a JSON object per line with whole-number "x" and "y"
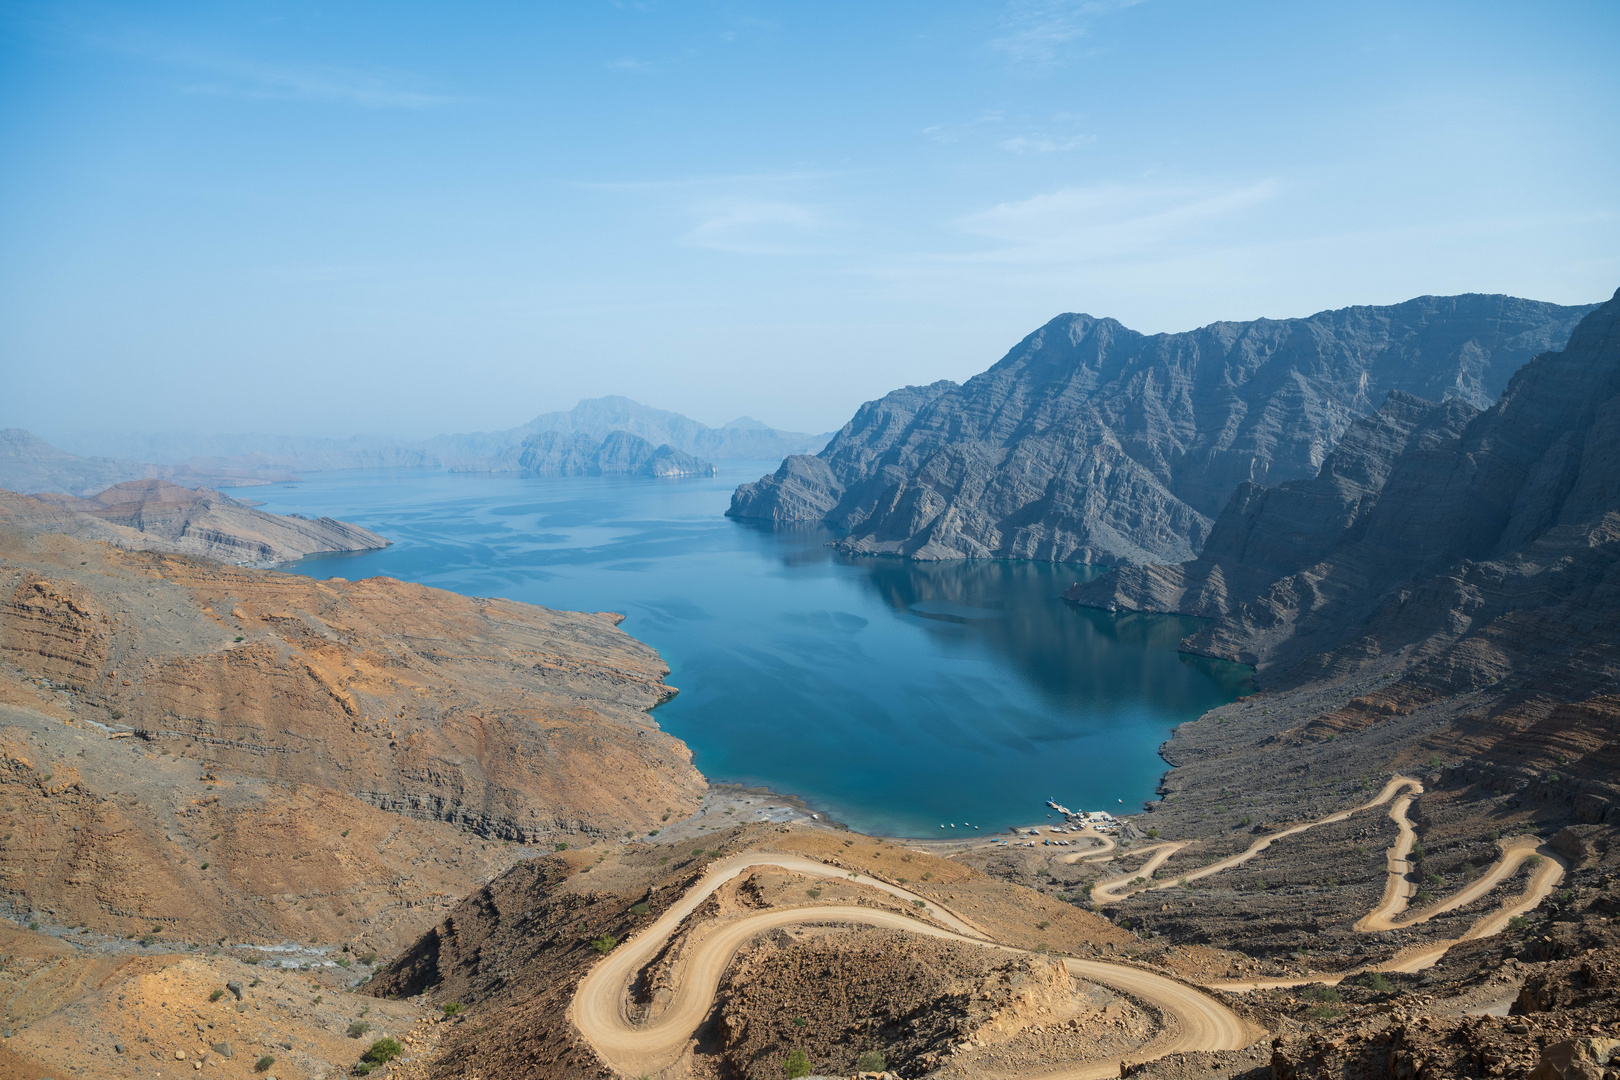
{"x": 1424, "y": 897}
{"x": 358, "y": 1028}
{"x": 1042, "y": 925}
{"x": 639, "y": 909}
{"x": 368, "y": 958}
{"x": 216, "y": 995}
{"x": 1246, "y": 820}
{"x": 562, "y": 845}
{"x": 146, "y": 939}
{"x": 1518, "y": 922}
{"x": 919, "y": 903}
{"x": 1153, "y": 834}
{"x": 344, "y": 962}
{"x": 264, "y": 1063}
{"x": 1378, "y": 983}
{"x": 452, "y": 1008}
{"x": 871, "y": 1061}
{"x": 382, "y": 1051}
{"x": 796, "y": 1065}
{"x": 812, "y": 893}
{"x": 604, "y": 944}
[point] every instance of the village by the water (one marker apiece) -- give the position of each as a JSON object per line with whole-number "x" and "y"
{"x": 1075, "y": 821}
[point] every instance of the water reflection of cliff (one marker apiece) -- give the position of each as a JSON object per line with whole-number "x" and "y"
{"x": 1074, "y": 656}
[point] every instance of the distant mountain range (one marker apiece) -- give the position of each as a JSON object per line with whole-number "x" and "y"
{"x": 30, "y": 464}
{"x": 484, "y": 451}
{"x": 1090, "y": 442}
{"x": 601, "y": 436}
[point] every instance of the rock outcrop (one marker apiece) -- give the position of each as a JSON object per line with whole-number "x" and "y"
{"x": 617, "y": 454}
{"x": 1090, "y": 442}
{"x": 1482, "y": 547}
{"x": 154, "y": 515}
{"x": 236, "y": 752}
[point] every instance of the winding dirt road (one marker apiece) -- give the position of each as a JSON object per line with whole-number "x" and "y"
{"x": 1194, "y": 1019}
{"x": 1110, "y": 892}
{"x": 600, "y": 1009}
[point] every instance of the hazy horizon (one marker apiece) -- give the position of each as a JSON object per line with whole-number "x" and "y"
{"x": 407, "y": 221}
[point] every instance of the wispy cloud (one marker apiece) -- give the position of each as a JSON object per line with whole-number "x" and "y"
{"x": 629, "y": 63}
{"x": 1037, "y": 32}
{"x": 757, "y": 228}
{"x": 1094, "y": 233}
{"x": 718, "y": 180}
{"x": 957, "y": 132}
{"x": 1040, "y": 142}
{"x": 1106, "y": 221}
{"x": 993, "y": 126}
{"x": 370, "y": 89}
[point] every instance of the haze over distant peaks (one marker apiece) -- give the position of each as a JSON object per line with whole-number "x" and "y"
{"x": 485, "y": 451}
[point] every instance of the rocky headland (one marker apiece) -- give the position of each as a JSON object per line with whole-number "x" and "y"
{"x": 154, "y": 515}
{"x": 1090, "y": 442}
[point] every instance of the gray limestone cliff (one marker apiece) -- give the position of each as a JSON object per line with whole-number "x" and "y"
{"x": 1090, "y": 442}
{"x": 1481, "y": 547}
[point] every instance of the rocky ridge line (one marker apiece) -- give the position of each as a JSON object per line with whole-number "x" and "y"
{"x": 1090, "y": 442}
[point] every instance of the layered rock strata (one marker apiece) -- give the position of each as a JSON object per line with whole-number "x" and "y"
{"x": 154, "y": 515}
{"x": 1090, "y": 442}
{"x": 246, "y": 753}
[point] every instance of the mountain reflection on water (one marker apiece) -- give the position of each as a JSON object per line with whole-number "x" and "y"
{"x": 897, "y": 696}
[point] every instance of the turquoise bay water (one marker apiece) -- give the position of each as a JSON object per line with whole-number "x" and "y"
{"x": 895, "y": 696}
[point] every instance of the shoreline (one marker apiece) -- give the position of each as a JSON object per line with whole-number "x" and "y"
{"x": 727, "y": 804}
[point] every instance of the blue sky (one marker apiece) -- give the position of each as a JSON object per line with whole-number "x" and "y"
{"x": 410, "y": 218}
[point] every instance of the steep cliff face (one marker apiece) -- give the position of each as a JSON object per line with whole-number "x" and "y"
{"x": 154, "y": 515}
{"x": 1090, "y": 442}
{"x": 1483, "y": 548}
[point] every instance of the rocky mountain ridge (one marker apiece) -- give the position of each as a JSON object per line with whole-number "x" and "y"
{"x": 1089, "y": 442}
{"x": 30, "y": 464}
{"x": 154, "y": 515}
{"x": 1482, "y": 544}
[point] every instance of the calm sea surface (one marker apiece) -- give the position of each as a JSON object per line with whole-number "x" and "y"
{"x": 896, "y": 696}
